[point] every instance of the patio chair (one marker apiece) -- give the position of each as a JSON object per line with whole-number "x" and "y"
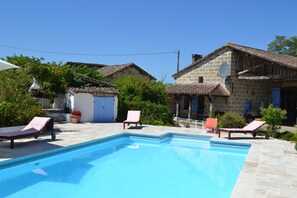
{"x": 33, "y": 129}
{"x": 133, "y": 117}
{"x": 211, "y": 125}
{"x": 250, "y": 128}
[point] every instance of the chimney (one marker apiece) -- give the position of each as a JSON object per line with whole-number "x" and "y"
{"x": 195, "y": 57}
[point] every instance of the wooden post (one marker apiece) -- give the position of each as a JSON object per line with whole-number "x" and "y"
{"x": 190, "y": 108}
{"x": 177, "y": 107}
{"x": 211, "y": 100}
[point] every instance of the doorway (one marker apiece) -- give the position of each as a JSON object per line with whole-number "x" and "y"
{"x": 289, "y": 103}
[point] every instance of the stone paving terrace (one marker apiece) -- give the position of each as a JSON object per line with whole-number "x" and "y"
{"x": 270, "y": 169}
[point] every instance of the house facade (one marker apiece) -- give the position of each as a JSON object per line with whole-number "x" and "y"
{"x": 238, "y": 79}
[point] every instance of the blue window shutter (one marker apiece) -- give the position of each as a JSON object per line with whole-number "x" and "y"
{"x": 195, "y": 104}
{"x": 276, "y": 97}
{"x": 246, "y": 106}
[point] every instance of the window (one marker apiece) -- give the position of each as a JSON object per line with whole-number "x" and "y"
{"x": 200, "y": 79}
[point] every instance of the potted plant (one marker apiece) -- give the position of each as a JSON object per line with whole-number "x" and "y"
{"x": 75, "y": 116}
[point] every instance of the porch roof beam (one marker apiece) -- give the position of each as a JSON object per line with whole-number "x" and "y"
{"x": 250, "y": 69}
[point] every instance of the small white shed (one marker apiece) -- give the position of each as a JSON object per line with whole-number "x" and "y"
{"x": 96, "y": 104}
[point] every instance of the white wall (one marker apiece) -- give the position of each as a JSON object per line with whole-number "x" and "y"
{"x": 115, "y": 113}
{"x": 46, "y": 103}
{"x": 84, "y": 102}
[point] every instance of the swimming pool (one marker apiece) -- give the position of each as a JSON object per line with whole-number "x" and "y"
{"x": 128, "y": 165}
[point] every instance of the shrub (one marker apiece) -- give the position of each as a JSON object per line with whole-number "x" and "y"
{"x": 148, "y": 96}
{"x": 273, "y": 117}
{"x": 231, "y": 120}
{"x": 151, "y": 113}
{"x": 19, "y": 112}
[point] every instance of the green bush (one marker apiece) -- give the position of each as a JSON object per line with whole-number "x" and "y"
{"x": 136, "y": 93}
{"x": 151, "y": 113}
{"x": 273, "y": 117}
{"x": 14, "y": 113}
{"x": 231, "y": 120}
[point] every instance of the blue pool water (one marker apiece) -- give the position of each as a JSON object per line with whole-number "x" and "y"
{"x": 129, "y": 167}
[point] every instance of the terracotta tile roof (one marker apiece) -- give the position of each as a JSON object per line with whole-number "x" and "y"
{"x": 97, "y": 91}
{"x": 286, "y": 60}
{"x": 202, "y": 89}
{"x": 110, "y": 70}
{"x": 278, "y": 59}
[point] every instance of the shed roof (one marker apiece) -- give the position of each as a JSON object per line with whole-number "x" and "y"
{"x": 278, "y": 59}
{"x": 203, "y": 89}
{"x": 96, "y": 91}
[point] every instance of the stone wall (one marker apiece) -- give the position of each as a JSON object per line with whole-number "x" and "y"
{"x": 208, "y": 70}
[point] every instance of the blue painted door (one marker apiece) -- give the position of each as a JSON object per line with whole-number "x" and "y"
{"x": 103, "y": 109}
{"x": 276, "y": 97}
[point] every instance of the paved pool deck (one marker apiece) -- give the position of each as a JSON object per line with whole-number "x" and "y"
{"x": 270, "y": 169}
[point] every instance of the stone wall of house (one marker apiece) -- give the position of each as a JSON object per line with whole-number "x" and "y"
{"x": 258, "y": 93}
{"x": 129, "y": 71}
{"x": 208, "y": 70}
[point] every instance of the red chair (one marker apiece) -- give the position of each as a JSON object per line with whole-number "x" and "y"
{"x": 211, "y": 125}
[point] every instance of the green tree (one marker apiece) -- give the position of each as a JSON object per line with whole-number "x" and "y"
{"x": 52, "y": 77}
{"x": 136, "y": 93}
{"x": 284, "y": 45}
{"x": 86, "y": 71}
{"x": 17, "y": 107}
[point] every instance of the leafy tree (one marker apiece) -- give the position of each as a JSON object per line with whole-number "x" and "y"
{"x": 136, "y": 93}
{"x": 17, "y": 107}
{"x": 16, "y": 103}
{"x": 284, "y": 45}
{"x": 86, "y": 71}
{"x": 274, "y": 117}
{"x": 52, "y": 77}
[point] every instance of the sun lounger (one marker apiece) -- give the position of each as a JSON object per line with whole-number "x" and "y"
{"x": 33, "y": 129}
{"x": 133, "y": 117}
{"x": 211, "y": 123}
{"x": 250, "y": 128}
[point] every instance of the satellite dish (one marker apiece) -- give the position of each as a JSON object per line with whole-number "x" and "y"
{"x": 224, "y": 70}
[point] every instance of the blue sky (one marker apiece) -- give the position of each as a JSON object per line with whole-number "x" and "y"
{"x": 138, "y": 26}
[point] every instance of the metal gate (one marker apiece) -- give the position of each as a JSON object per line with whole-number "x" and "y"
{"x": 103, "y": 109}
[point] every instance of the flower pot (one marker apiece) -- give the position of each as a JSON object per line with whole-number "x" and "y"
{"x": 75, "y": 118}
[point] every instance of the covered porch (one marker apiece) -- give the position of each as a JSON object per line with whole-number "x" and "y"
{"x": 190, "y": 99}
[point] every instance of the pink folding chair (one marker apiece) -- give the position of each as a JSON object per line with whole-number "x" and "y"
{"x": 133, "y": 117}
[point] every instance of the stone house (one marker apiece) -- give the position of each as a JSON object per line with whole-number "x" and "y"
{"x": 115, "y": 71}
{"x": 238, "y": 79}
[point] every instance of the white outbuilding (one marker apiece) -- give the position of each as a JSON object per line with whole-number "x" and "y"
{"x": 96, "y": 104}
